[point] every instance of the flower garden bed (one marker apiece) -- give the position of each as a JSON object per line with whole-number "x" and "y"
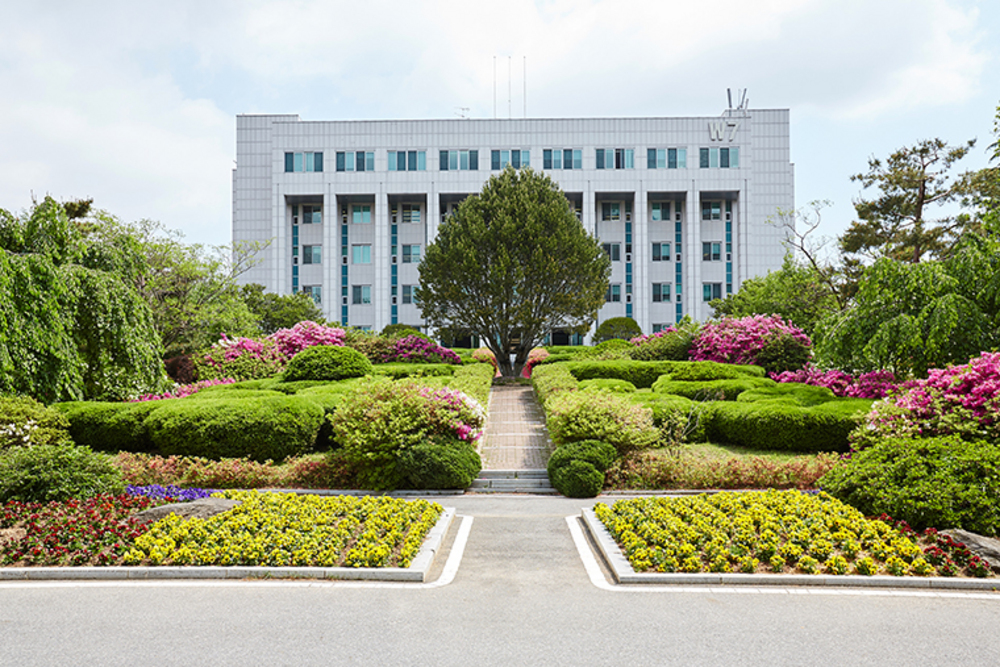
{"x": 779, "y": 532}
{"x": 266, "y": 529}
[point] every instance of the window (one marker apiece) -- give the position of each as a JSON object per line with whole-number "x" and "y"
{"x": 303, "y": 162}
{"x": 615, "y": 158}
{"x": 515, "y": 158}
{"x": 459, "y": 160}
{"x": 611, "y": 211}
{"x": 562, "y": 158}
{"x": 711, "y": 291}
{"x": 711, "y": 210}
{"x": 361, "y": 254}
{"x": 711, "y": 251}
{"x": 614, "y": 293}
{"x": 355, "y": 161}
{"x": 361, "y": 214}
{"x": 722, "y": 158}
{"x": 661, "y": 252}
{"x": 312, "y": 214}
{"x": 666, "y": 158}
{"x": 661, "y": 211}
{"x": 411, "y": 254}
{"x": 409, "y": 294}
{"x": 361, "y": 294}
{"x": 657, "y": 328}
{"x": 312, "y": 254}
{"x": 411, "y": 213}
{"x": 661, "y": 292}
{"x": 407, "y": 160}
{"x": 613, "y": 250}
{"x": 315, "y": 291}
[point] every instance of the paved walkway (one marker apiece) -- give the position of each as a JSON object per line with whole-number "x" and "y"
{"x": 516, "y": 437}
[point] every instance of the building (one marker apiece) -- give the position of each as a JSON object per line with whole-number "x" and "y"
{"x": 682, "y": 205}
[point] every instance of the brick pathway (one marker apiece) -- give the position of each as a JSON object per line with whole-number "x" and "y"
{"x": 516, "y": 437}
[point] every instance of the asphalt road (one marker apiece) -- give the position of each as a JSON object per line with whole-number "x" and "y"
{"x": 521, "y": 596}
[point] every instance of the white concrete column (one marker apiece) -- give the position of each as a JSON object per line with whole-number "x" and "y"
{"x": 381, "y": 298}
{"x": 741, "y": 238}
{"x": 692, "y": 254}
{"x": 331, "y": 263}
{"x": 589, "y": 210}
{"x": 281, "y": 232}
{"x": 641, "y": 286}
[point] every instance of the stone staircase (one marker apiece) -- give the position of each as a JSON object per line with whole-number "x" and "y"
{"x": 535, "y": 481}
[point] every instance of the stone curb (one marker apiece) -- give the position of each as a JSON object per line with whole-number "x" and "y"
{"x": 623, "y": 573}
{"x": 417, "y": 572}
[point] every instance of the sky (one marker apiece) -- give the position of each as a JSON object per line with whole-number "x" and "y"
{"x": 134, "y": 103}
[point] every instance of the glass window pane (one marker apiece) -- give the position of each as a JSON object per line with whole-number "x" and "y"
{"x": 525, "y": 158}
{"x": 340, "y": 161}
{"x": 318, "y": 158}
{"x": 651, "y": 158}
{"x": 370, "y": 161}
{"x": 421, "y": 160}
{"x": 309, "y": 162}
{"x": 515, "y": 159}
{"x": 672, "y": 158}
{"x": 474, "y": 160}
{"x": 494, "y": 160}
{"x": 713, "y": 158}
{"x": 464, "y": 160}
{"x": 682, "y": 158}
{"x": 703, "y": 158}
{"x": 600, "y": 158}
{"x": 411, "y": 161}
{"x": 289, "y": 162}
{"x": 392, "y": 160}
{"x": 734, "y": 158}
{"x": 724, "y": 158}
{"x": 453, "y": 160}
{"x": 443, "y": 160}
{"x": 629, "y": 158}
{"x": 298, "y": 162}
{"x": 547, "y": 158}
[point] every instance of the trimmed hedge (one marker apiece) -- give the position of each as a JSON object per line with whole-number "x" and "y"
{"x": 261, "y": 429}
{"x": 595, "y": 452}
{"x": 45, "y": 473}
{"x": 668, "y": 409}
{"x": 111, "y": 427}
{"x": 943, "y": 482}
{"x": 577, "y": 469}
{"x": 600, "y": 415}
{"x": 781, "y": 425}
{"x": 327, "y": 362}
{"x": 474, "y": 380}
{"x": 552, "y": 379}
{"x": 643, "y": 374}
{"x": 232, "y": 394}
{"x": 804, "y": 395}
{"x": 704, "y": 371}
{"x": 712, "y": 390}
{"x": 401, "y": 369}
{"x": 444, "y": 463}
{"x": 617, "y": 386}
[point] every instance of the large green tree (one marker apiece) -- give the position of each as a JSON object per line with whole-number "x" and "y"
{"x": 797, "y": 292}
{"x": 512, "y": 263}
{"x": 72, "y": 324}
{"x": 279, "y": 311}
{"x": 899, "y": 221}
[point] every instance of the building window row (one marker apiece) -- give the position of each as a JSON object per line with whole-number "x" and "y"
{"x": 666, "y": 158}
{"x": 312, "y": 254}
{"x": 355, "y": 161}
{"x": 464, "y": 160}
{"x": 361, "y": 295}
{"x": 407, "y": 160}
{"x": 562, "y": 158}
{"x": 719, "y": 158}
{"x": 661, "y": 252}
{"x": 303, "y": 162}
{"x": 615, "y": 158}
{"x": 515, "y": 158}
{"x": 315, "y": 291}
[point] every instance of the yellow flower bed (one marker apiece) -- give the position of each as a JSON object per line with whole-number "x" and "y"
{"x": 283, "y": 529}
{"x": 776, "y": 531}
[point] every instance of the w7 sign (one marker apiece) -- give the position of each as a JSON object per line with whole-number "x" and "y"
{"x": 717, "y": 129}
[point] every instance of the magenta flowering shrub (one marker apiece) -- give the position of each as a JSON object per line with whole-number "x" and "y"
{"x": 536, "y": 356}
{"x": 875, "y": 384}
{"x": 639, "y": 340}
{"x": 740, "y": 340}
{"x": 416, "y": 349}
{"x": 962, "y": 400}
{"x": 255, "y": 358}
{"x": 182, "y": 390}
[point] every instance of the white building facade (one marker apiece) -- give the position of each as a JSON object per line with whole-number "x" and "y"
{"x": 684, "y": 206}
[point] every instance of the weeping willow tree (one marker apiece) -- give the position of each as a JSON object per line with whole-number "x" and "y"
{"x": 72, "y": 324}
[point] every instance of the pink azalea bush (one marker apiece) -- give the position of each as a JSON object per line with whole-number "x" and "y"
{"x": 416, "y": 349}
{"x": 182, "y": 390}
{"x": 740, "y": 340}
{"x": 962, "y": 400}
{"x": 876, "y": 384}
{"x": 253, "y": 358}
{"x": 536, "y": 356}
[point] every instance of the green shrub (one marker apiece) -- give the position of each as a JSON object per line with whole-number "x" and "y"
{"x": 598, "y": 454}
{"x": 782, "y": 353}
{"x": 374, "y": 347}
{"x": 640, "y": 373}
{"x": 24, "y": 421}
{"x": 329, "y": 397}
{"x": 616, "y": 386}
{"x": 44, "y": 473}
{"x": 551, "y": 379}
{"x": 292, "y": 388}
{"x": 622, "y": 328}
{"x": 376, "y": 424}
{"x": 402, "y": 369}
{"x": 703, "y": 371}
{"x": 679, "y": 419}
{"x": 261, "y": 429}
{"x": 799, "y": 394}
{"x": 578, "y": 479}
{"x": 942, "y": 482}
{"x": 232, "y": 395}
{"x": 712, "y": 390}
{"x": 440, "y": 463}
{"x": 401, "y": 330}
{"x": 598, "y": 415}
{"x": 780, "y": 425}
{"x": 111, "y": 427}
{"x": 671, "y": 346}
{"x": 327, "y": 362}
{"x": 613, "y": 344}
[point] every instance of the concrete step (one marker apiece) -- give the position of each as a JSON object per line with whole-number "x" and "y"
{"x": 513, "y": 481}
{"x": 531, "y": 473}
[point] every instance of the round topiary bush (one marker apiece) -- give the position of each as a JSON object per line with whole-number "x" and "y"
{"x": 441, "y": 463}
{"x": 624, "y": 328}
{"x": 578, "y": 479}
{"x": 327, "y": 362}
{"x": 599, "y": 454}
{"x": 942, "y": 482}
{"x": 44, "y": 473}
